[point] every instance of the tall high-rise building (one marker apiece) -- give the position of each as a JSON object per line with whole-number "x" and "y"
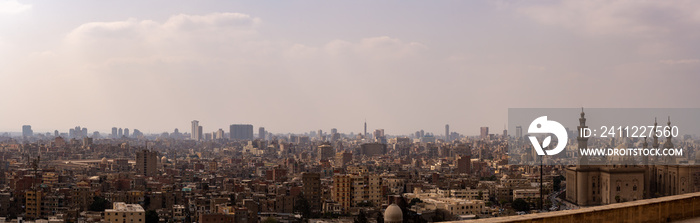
{"x": 241, "y": 131}
{"x": 518, "y": 132}
{"x": 115, "y": 132}
{"x": 121, "y": 133}
{"x": 312, "y": 190}
{"x": 27, "y": 131}
{"x": 352, "y": 190}
{"x": 147, "y": 162}
{"x": 261, "y": 133}
{"x": 195, "y": 131}
{"x": 220, "y": 134}
{"x": 464, "y": 164}
{"x": 126, "y": 132}
{"x": 365, "y": 135}
{"x": 447, "y": 133}
{"x": 342, "y": 158}
{"x": 334, "y": 131}
{"x": 200, "y": 133}
{"x": 325, "y": 152}
{"x": 484, "y": 132}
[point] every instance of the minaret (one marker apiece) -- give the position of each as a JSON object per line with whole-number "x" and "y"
{"x": 582, "y": 141}
{"x": 668, "y": 144}
{"x": 655, "y": 144}
{"x": 644, "y": 146}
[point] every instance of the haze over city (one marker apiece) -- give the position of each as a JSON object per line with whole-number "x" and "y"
{"x": 306, "y": 65}
{"x": 349, "y": 111}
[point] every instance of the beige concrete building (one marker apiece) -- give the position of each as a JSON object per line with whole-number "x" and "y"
{"x": 341, "y": 191}
{"x": 526, "y": 194}
{"x": 33, "y": 205}
{"x": 351, "y": 190}
{"x": 125, "y": 213}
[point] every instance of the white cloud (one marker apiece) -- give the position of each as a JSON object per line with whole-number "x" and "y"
{"x": 618, "y": 17}
{"x": 680, "y": 62}
{"x": 13, "y": 7}
{"x": 190, "y": 59}
{"x": 382, "y": 47}
{"x": 223, "y": 37}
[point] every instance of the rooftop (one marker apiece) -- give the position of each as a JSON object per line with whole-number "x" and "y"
{"x": 124, "y": 207}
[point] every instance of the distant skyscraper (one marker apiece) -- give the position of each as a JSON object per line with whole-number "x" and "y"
{"x": 518, "y": 132}
{"x": 195, "y": 131}
{"x": 484, "y": 132}
{"x": 447, "y": 133}
{"x": 55, "y": 133}
{"x": 121, "y": 133}
{"x": 261, "y": 133}
{"x": 126, "y": 132}
{"x": 200, "y": 133}
{"x": 334, "y": 131}
{"x": 241, "y": 131}
{"x": 84, "y": 132}
{"x": 220, "y": 134}
{"x": 320, "y": 134}
{"x": 115, "y": 131}
{"x": 365, "y": 135}
{"x": 27, "y": 131}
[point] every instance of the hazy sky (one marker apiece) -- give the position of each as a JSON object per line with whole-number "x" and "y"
{"x": 296, "y": 66}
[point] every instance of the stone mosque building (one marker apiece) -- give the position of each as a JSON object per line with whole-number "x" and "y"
{"x": 588, "y": 185}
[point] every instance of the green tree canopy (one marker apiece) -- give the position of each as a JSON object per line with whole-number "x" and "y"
{"x": 99, "y": 204}
{"x": 269, "y": 220}
{"x": 152, "y": 216}
{"x": 520, "y": 205}
{"x": 361, "y": 218}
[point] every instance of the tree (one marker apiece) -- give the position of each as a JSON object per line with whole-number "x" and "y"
{"x": 361, "y": 218}
{"x": 99, "y": 204}
{"x": 380, "y": 218}
{"x": 520, "y": 205}
{"x": 269, "y": 220}
{"x": 152, "y": 216}
{"x": 414, "y": 201}
{"x": 302, "y": 206}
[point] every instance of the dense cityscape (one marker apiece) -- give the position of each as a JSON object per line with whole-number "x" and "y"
{"x": 246, "y": 177}
{"x": 496, "y": 111}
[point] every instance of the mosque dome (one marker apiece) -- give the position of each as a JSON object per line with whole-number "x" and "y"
{"x": 104, "y": 160}
{"x": 393, "y": 214}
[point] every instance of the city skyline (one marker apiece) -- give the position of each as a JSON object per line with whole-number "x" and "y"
{"x": 307, "y": 65}
{"x": 110, "y": 133}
